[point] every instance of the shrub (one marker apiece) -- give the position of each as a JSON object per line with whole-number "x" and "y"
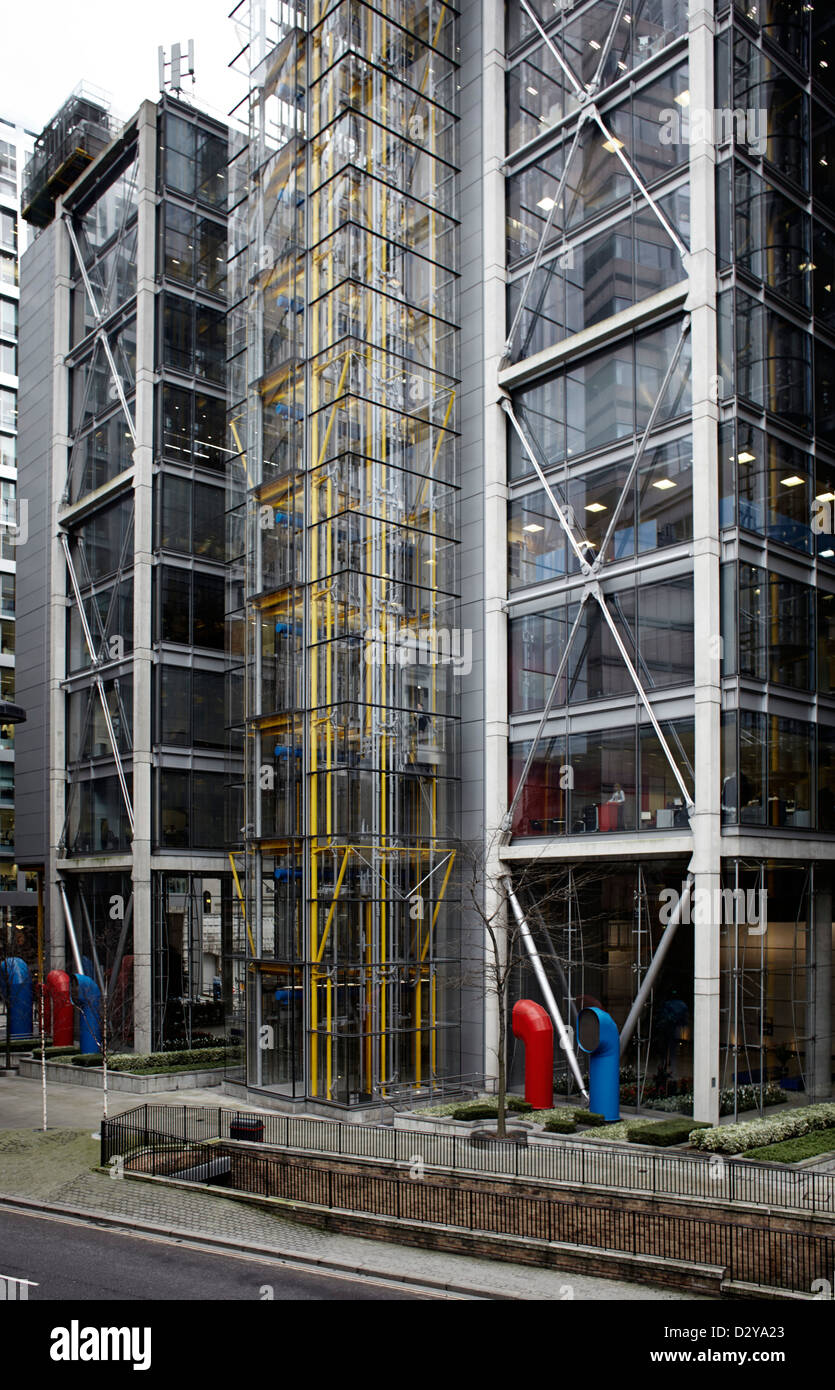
{"x": 475, "y": 1112}
{"x": 560, "y": 1126}
{"x": 750, "y": 1134}
{"x": 660, "y": 1134}
{"x": 158, "y": 1061}
{"x": 589, "y": 1117}
{"x": 517, "y": 1104}
{"x": 61, "y": 1051}
{"x": 819, "y": 1141}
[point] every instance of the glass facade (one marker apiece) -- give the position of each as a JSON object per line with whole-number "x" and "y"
{"x": 160, "y": 697}
{"x": 595, "y": 222}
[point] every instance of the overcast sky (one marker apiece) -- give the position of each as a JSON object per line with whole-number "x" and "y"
{"x": 49, "y": 46}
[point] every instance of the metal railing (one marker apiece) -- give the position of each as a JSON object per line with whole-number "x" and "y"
{"x": 601, "y": 1165}
{"x": 745, "y": 1253}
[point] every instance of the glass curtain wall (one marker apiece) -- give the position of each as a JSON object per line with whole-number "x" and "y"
{"x": 343, "y": 496}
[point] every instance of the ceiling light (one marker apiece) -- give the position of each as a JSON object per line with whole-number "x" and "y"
{"x": 664, "y": 483}
{"x": 533, "y": 91}
{"x": 825, "y": 497}
{"x": 594, "y": 44}
{"x": 683, "y": 98}
{"x": 827, "y": 554}
{"x": 745, "y": 457}
{"x": 532, "y": 527}
{"x": 807, "y": 265}
{"x": 546, "y": 204}
{"x": 595, "y": 507}
{"x": 793, "y": 481}
{"x": 613, "y": 145}
{"x": 622, "y": 66}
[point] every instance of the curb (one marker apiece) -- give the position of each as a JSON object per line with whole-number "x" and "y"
{"x": 223, "y": 1244}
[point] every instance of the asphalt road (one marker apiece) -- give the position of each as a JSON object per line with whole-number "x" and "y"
{"x": 75, "y": 1262}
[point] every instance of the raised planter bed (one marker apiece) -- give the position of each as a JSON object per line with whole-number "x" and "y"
{"x": 130, "y": 1082}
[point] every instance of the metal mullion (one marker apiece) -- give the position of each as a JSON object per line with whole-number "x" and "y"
{"x": 641, "y": 186}
{"x": 579, "y": 89}
{"x": 607, "y": 46}
{"x": 508, "y": 408}
{"x": 535, "y": 264}
{"x": 639, "y": 453}
{"x": 507, "y": 820}
{"x": 99, "y": 683}
{"x": 102, "y": 335}
{"x": 641, "y": 692}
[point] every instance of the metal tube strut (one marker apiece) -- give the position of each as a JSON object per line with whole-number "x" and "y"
{"x": 544, "y": 985}
{"x": 655, "y": 965}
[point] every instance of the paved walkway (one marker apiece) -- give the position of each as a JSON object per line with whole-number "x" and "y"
{"x": 54, "y": 1169}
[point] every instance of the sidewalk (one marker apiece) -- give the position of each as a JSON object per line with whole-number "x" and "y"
{"x": 53, "y": 1169}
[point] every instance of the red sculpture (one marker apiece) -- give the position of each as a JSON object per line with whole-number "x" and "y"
{"x": 532, "y": 1024}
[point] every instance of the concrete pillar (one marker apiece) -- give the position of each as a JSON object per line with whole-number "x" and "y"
{"x": 495, "y": 485}
{"x": 820, "y": 1023}
{"x": 706, "y": 820}
{"x": 143, "y": 576}
{"x": 60, "y": 953}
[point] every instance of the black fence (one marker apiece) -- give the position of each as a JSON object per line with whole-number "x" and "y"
{"x": 602, "y": 1164}
{"x": 747, "y": 1253}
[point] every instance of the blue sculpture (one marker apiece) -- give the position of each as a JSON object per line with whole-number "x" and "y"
{"x": 597, "y": 1035}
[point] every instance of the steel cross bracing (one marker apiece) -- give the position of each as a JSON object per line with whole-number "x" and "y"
{"x": 593, "y": 588}
{"x": 101, "y": 334}
{"x": 588, "y": 110}
{"x": 95, "y": 661}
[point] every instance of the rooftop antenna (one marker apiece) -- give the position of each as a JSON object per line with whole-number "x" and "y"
{"x": 181, "y": 65}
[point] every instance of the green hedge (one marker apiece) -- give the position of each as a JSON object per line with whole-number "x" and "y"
{"x": 676, "y": 1130}
{"x": 560, "y": 1127}
{"x": 152, "y": 1062}
{"x": 589, "y": 1117}
{"x": 489, "y": 1109}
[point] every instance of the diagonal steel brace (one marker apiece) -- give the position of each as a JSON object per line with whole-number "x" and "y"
{"x": 100, "y": 330}
{"x": 88, "y": 638}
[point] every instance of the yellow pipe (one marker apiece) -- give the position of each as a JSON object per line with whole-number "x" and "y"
{"x": 242, "y": 903}
{"x": 332, "y": 909}
{"x": 438, "y": 904}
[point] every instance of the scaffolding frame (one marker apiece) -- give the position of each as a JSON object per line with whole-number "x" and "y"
{"x": 351, "y": 455}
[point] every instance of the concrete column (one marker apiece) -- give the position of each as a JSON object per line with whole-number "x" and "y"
{"x": 820, "y": 1069}
{"x": 706, "y": 819}
{"x": 143, "y": 576}
{"x": 495, "y": 484}
{"x": 60, "y": 954}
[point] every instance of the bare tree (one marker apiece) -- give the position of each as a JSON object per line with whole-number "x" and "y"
{"x": 486, "y": 887}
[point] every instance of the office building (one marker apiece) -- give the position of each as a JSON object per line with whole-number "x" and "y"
{"x": 124, "y": 767}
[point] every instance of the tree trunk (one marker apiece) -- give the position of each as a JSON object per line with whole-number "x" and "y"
{"x": 501, "y": 1130}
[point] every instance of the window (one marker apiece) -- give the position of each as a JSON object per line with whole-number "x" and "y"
{"x": 8, "y": 409}
{"x": 193, "y": 428}
{"x": 191, "y": 608}
{"x": 180, "y": 154}
{"x": 175, "y": 706}
{"x": 179, "y": 256}
{"x": 8, "y": 230}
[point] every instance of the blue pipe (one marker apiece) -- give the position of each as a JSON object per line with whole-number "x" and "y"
{"x": 89, "y": 1026}
{"x": 597, "y": 1035}
{"x": 16, "y": 989}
